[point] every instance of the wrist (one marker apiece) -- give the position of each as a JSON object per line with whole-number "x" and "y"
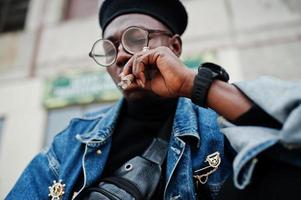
{"x": 186, "y": 88}
{"x": 207, "y": 74}
{"x": 227, "y": 100}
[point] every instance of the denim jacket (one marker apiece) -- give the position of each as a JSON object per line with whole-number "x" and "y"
{"x": 83, "y": 147}
{"x": 280, "y": 99}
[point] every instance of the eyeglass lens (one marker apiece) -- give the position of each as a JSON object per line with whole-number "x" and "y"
{"x": 104, "y": 52}
{"x": 133, "y": 40}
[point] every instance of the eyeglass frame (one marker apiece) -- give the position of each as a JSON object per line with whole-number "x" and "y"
{"x": 148, "y": 31}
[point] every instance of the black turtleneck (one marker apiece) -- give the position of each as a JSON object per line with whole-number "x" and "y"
{"x": 140, "y": 121}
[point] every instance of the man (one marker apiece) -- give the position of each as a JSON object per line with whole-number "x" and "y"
{"x": 140, "y": 48}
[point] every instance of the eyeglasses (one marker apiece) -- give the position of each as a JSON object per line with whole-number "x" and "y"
{"x": 133, "y": 39}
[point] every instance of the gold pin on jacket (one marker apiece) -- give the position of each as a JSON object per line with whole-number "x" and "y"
{"x": 201, "y": 175}
{"x": 57, "y": 190}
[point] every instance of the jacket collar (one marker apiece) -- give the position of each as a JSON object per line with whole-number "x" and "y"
{"x": 185, "y": 125}
{"x": 104, "y": 128}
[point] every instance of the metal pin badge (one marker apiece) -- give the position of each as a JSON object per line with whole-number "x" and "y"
{"x": 201, "y": 175}
{"x": 57, "y": 190}
{"x": 214, "y": 159}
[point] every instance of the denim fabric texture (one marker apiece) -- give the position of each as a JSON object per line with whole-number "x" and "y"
{"x": 83, "y": 147}
{"x": 85, "y": 144}
{"x": 280, "y": 99}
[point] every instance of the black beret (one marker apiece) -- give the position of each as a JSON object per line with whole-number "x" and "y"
{"x": 171, "y": 13}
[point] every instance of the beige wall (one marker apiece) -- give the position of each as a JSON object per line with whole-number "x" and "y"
{"x": 249, "y": 38}
{"x": 23, "y": 128}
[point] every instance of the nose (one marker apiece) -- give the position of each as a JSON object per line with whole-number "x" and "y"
{"x": 122, "y": 56}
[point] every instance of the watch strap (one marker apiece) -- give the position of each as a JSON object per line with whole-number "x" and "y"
{"x": 201, "y": 85}
{"x": 207, "y": 73}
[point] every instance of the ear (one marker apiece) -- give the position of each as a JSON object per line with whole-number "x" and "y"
{"x": 175, "y": 44}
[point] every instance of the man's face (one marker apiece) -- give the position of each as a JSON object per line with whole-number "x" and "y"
{"x": 114, "y": 31}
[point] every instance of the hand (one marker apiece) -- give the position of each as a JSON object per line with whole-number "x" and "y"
{"x": 169, "y": 77}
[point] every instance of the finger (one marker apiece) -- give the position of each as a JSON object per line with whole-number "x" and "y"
{"x": 141, "y": 78}
{"x": 127, "y": 69}
{"x": 142, "y": 61}
{"x": 138, "y": 66}
{"x": 139, "y": 82}
{"x": 121, "y": 75}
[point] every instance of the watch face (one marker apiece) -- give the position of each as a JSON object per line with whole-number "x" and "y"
{"x": 219, "y": 72}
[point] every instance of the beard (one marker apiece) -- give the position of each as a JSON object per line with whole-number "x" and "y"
{"x": 141, "y": 95}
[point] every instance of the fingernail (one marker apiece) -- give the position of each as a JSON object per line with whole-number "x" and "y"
{"x": 140, "y": 83}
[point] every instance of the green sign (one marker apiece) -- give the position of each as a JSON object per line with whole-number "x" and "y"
{"x": 96, "y": 86}
{"x": 194, "y": 61}
{"x": 80, "y": 88}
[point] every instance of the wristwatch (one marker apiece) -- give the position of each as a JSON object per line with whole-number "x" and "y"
{"x": 207, "y": 73}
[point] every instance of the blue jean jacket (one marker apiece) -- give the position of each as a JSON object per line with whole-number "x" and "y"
{"x": 280, "y": 99}
{"x": 85, "y": 144}
{"x": 83, "y": 147}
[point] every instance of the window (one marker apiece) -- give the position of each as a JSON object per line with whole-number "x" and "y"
{"x": 81, "y": 8}
{"x": 58, "y": 119}
{"x": 12, "y": 15}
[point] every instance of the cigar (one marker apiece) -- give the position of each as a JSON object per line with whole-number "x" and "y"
{"x": 126, "y": 81}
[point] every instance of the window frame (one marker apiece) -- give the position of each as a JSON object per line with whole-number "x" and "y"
{"x": 13, "y": 14}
